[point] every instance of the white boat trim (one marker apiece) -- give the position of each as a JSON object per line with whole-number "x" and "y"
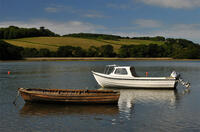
{"x": 136, "y": 78}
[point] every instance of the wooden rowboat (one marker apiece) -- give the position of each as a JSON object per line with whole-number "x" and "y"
{"x": 69, "y": 96}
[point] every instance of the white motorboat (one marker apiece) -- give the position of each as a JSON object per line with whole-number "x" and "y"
{"x": 125, "y": 77}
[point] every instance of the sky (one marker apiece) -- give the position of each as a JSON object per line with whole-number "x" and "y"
{"x": 132, "y": 18}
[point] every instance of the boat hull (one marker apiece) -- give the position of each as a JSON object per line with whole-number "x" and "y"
{"x": 139, "y": 82}
{"x": 69, "y": 96}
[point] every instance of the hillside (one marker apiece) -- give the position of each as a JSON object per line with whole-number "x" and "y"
{"x": 32, "y": 42}
{"x": 52, "y": 43}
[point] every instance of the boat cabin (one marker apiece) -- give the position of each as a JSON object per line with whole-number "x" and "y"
{"x": 120, "y": 70}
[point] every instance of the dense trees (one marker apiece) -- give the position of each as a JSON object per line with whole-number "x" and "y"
{"x": 94, "y": 36}
{"x": 181, "y": 48}
{"x": 13, "y": 32}
{"x": 44, "y": 52}
{"x": 70, "y": 51}
{"x": 175, "y": 48}
{"x": 151, "y": 50}
{"x": 107, "y": 51}
{"x": 9, "y": 52}
{"x": 29, "y": 52}
{"x": 93, "y": 52}
{"x": 157, "y": 38}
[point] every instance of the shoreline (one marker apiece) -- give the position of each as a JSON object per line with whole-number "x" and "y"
{"x": 97, "y": 59}
{"x": 103, "y": 59}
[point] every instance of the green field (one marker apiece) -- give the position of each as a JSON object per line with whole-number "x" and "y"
{"x": 52, "y": 43}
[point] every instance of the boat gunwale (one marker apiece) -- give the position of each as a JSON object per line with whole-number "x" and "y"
{"x": 68, "y": 92}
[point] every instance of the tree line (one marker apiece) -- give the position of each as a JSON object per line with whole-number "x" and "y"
{"x": 94, "y": 36}
{"x": 112, "y": 37}
{"x": 174, "y": 48}
{"x": 13, "y": 32}
{"x": 157, "y": 38}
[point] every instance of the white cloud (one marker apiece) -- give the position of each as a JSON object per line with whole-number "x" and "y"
{"x": 118, "y": 6}
{"x": 53, "y": 8}
{"x": 93, "y": 14}
{"x": 57, "y": 27}
{"x": 147, "y": 23}
{"x": 173, "y": 3}
{"x": 68, "y": 9}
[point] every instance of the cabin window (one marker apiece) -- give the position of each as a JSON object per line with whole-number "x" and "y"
{"x": 121, "y": 71}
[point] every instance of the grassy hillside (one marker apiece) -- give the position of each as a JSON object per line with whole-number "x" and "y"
{"x": 52, "y": 43}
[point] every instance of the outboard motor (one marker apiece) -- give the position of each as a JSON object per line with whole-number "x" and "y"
{"x": 175, "y": 74}
{"x": 186, "y": 84}
{"x": 179, "y": 79}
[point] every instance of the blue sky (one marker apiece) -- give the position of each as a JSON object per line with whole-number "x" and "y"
{"x": 169, "y": 18}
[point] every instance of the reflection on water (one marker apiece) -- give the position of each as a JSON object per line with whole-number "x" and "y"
{"x": 42, "y": 109}
{"x": 146, "y": 96}
{"x": 128, "y": 97}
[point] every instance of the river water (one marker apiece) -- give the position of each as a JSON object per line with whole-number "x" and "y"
{"x": 137, "y": 110}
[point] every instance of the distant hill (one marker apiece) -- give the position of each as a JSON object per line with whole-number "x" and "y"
{"x": 52, "y": 43}
{"x": 42, "y": 42}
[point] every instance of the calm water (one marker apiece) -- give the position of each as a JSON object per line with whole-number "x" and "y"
{"x": 137, "y": 110}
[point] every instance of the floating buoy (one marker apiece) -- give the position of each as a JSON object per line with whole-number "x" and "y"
{"x": 146, "y": 74}
{"x": 8, "y": 72}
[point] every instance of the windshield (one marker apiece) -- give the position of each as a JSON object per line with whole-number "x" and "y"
{"x": 108, "y": 69}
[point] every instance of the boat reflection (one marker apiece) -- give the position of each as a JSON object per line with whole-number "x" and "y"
{"x": 40, "y": 109}
{"x": 130, "y": 97}
{"x": 147, "y": 96}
